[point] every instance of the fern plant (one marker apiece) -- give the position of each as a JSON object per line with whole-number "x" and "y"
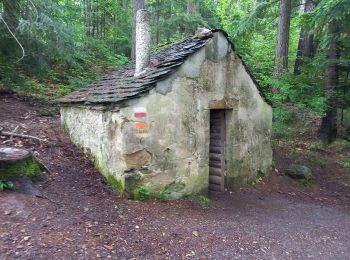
{"x": 6, "y": 185}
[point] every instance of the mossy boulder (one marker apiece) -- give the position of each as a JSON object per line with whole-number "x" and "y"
{"x": 14, "y": 162}
{"x": 297, "y": 171}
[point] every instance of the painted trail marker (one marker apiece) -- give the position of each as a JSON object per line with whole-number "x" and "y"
{"x": 141, "y": 127}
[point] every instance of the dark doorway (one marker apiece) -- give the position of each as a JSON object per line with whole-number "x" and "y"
{"x": 217, "y": 150}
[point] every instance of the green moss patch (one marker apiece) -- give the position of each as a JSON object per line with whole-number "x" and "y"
{"x": 29, "y": 167}
{"x": 115, "y": 183}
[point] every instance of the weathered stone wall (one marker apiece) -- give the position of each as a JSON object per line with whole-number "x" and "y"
{"x": 162, "y": 140}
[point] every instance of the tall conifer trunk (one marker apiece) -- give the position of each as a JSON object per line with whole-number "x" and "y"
{"x": 281, "y": 58}
{"x": 306, "y": 43}
{"x": 328, "y": 130}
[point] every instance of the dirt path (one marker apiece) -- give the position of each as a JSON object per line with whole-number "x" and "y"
{"x": 85, "y": 219}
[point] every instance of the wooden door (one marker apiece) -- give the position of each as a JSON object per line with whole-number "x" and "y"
{"x": 217, "y": 150}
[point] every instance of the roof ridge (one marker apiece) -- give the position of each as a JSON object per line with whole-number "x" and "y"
{"x": 120, "y": 84}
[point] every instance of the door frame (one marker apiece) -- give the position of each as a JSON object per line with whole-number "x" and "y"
{"x": 222, "y": 152}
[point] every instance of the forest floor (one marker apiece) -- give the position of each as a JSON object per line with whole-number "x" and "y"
{"x": 83, "y": 218}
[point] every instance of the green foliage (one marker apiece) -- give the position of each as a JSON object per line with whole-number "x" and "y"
{"x": 284, "y": 115}
{"x": 30, "y": 167}
{"x": 117, "y": 184}
{"x": 252, "y": 25}
{"x": 281, "y": 118}
{"x": 280, "y": 130}
{"x": 344, "y": 123}
{"x": 316, "y": 146}
{"x": 176, "y": 20}
{"x": 58, "y": 50}
{"x": 340, "y": 145}
{"x": 316, "y": 159}
{"x": 203, "y": 201}
{"x": 346, "y": 164}
{"x": 49, "y": 111}
{"x": 300, "y": 90}
{"x": 306, "y": 182}
{"x": 164, "y": 194}
{"x": 6, "y": 185}
{"x": 144, "y": 193}
{"x": 9, "y": 74}
{"x": 63, "y": 90}
{"x": 255, "y": 181}
{"x": 34, "y": 86}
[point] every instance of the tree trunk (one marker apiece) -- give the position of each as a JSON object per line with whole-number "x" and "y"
{"x": 157, "y": 22}
{"x": 168, "y": 16}
{"x": 136, "y": 5}
{"x": 281, "y": 59}
{"x": 328, "y": 130}
{"x": 306, "y": 44}
{"x": 191, "y": 8}
{"x": 93, "y": 18}
{"x": 88, "y": 17}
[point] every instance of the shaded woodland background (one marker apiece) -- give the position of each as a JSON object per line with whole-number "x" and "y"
{"x": 298, "y": 50}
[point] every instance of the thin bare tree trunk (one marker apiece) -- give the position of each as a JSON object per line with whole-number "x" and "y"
{"x": 157, "y": 22}
{"x": 168, "y": 16}
{"x": 83, "y": 7}
{"x": 136, "y": 5}
{"x": 88, "y": 17}
{"x": 328, "y": 130}
{"x": 281, "y": 59}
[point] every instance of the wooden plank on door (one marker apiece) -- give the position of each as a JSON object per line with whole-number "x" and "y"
{"x": 216, "y": 150}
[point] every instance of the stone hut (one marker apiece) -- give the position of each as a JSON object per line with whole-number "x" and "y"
{"x": 194, "y": 119}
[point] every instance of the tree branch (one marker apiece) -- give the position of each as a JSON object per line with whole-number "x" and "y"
{"x": 3, "y": 133}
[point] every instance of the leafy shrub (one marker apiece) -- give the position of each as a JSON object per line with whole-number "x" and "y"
{"x": 316, "y": 146}
{"x": 346, "y": 164}
{"x": 6, "y": 185}
{"x": 164, "y": 194}
{"x": 306, "y": 182}
{"x": 303, "y": 91}
{"x": 53, "y": 75}
{"x": 316, "y": 159}
{"x": 280, "y": 130}
{"x": 340, "y": 145}
{"x": 281, "y": 114}
{"x": 144, "y": 193}
{"x": 36, "y": 87}
{"x": 63, "y": 90}
{"x": 203, "y": 201}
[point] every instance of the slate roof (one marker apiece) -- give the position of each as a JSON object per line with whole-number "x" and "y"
{"x": 121, "y": 84}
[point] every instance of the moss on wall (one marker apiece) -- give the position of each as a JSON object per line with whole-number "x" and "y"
{"x": 132, "y": 184}
{"x": 115, "y": 183}
{"x": 111, "y": 179}
{"x": 199, "y": 183}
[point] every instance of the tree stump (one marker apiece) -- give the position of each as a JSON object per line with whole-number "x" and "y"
{"x": 14, "y": 161}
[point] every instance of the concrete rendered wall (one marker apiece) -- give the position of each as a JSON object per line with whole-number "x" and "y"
{"x": 168, "y": 147}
